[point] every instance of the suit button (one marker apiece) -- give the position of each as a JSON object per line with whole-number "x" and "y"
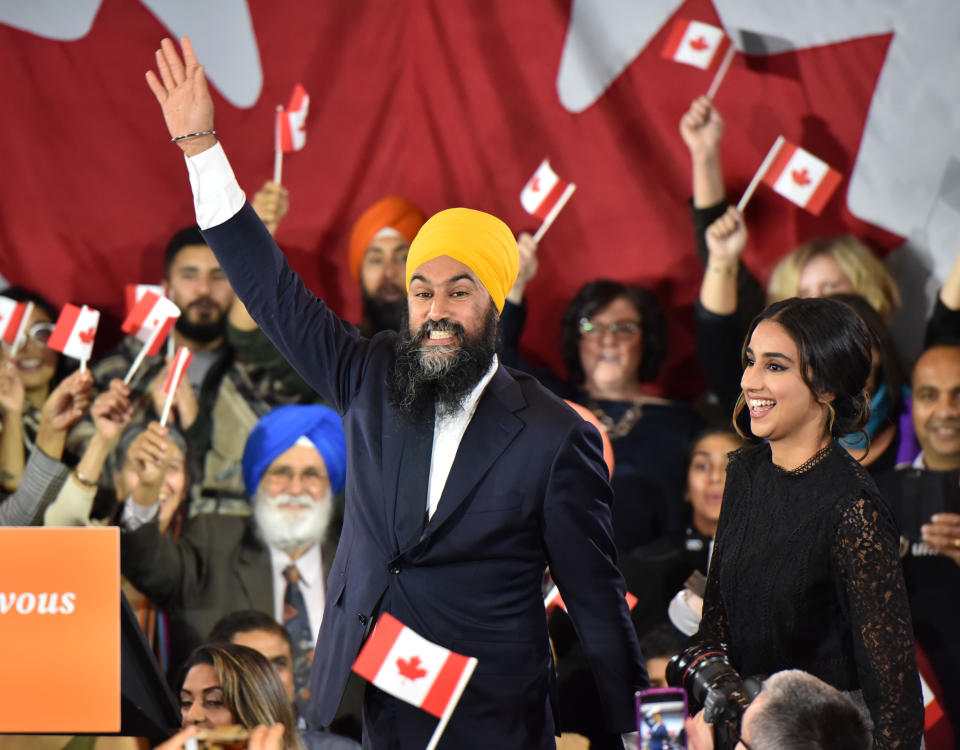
{"x": 395, "y": 569}
{"x": 363, "y": 619}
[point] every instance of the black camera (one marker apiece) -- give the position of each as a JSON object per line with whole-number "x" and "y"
{"x": 711, "y": 683}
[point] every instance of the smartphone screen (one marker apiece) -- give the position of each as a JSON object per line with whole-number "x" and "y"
{"x": 660, "y": 716}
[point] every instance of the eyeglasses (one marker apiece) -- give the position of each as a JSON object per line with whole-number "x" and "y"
{"x": 40, "y": 332}
{"x": 622, "y": 329}
{"x": 280, "y": 478}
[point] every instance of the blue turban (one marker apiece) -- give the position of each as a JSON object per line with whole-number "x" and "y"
{"x": 279, "y": 430}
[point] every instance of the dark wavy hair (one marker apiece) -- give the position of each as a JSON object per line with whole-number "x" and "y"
{"x": 596, "y": 295}
{"x": 251, "y": 687}
{"x": 183, "y": 238}
{"x": 892, "y": 371}
{"x": 835, "y": 357}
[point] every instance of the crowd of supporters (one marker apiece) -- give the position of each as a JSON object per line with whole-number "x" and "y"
{"x": 229, "y": 513}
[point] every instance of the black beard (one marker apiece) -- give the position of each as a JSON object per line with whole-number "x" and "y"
{"x": 202, "y": 333}
{"x": 421, "y": 386}
{"x": 384, "y": 316}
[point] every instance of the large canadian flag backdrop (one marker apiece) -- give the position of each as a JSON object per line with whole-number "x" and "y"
{"x": 455, "y": 103}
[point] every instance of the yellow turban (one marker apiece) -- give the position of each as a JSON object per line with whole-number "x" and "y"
{"x": 480, "y": 241}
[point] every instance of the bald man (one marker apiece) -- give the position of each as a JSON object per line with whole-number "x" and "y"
{"x": 465, "y": 478}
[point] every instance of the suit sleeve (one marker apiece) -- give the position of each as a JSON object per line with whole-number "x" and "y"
{"x": 327, "y": 352}
{"x": 162, "y": 568}
{"x": 582, "y": 557}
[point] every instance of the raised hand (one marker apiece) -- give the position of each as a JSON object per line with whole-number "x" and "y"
{"x": 181, "y": 88}
{"x": 701, "y": 127}
{"x": 943, "y": 535}
{"x": 111, "y": 411}
{"x": 12, "y": 392}
{"x": 529, "y": 263}
{"x": 727, "y": 237}
{"x": 68, "y": 401}
{"x": 271, "y": 204}
{"x": 151, "y": 454}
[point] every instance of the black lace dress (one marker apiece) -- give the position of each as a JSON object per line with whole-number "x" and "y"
{"x": 806, "y": 575}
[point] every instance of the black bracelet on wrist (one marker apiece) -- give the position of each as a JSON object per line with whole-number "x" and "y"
{"x": 192, "y": 135}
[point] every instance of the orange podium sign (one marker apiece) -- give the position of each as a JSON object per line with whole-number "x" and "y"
{"x": 59, "y": 630}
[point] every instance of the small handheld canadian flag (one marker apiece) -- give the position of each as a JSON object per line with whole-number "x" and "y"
{"x": 149, "y": 321}
{"x": 177, "y": 370}
{"x": 133, "y": 293}
{"x": 409, "y": 667}
{"x": 75, "y": 332}
{"x": 797, "y": 175}
{"x": 696, "y": 43}
{"x": 14, "y": 317}
{"x": 290, "y": 132}
{"x": 545, "y": 195}
{"x": 701, "y": 45}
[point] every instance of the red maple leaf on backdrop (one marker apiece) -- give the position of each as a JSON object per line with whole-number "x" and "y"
{"x": 410, "y": 668}
{"x": 87, "y": 336}
{"x": 699, "y": 44}
{"x": 399, "y": 110}
{"x": 800, "y": 176}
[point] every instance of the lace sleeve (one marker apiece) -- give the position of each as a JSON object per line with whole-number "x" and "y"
{"x": 870, "y": 582}
{"x": 713, "y": 625}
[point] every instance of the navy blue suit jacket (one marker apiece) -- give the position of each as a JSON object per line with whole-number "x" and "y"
{"x": 528, "y": 487}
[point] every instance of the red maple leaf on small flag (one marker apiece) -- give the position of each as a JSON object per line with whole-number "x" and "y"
{"x": 545, "y": 191}
{"x": 75, "y": 331}
{"x": 800, "y": 176}
{"x": 406, "y": 665}
{"x": 702, "y": 45}
{"x": 410, "y": 668}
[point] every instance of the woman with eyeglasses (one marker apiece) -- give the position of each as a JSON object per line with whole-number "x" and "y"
{"x": 26, "y": 380}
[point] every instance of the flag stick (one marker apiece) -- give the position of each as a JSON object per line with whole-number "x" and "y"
{"x": 554, "y": 212}
{"x": 771, "y": 155}
{"x": 721, "y": 72}
{"x": 452, "y": 703}
{"x": 21, "y": 338}
{"x": 174, "y": 384}
{"x": 141, "y": 355}
{"x": 277, "y": 150}
{"x": 83, "y": 365}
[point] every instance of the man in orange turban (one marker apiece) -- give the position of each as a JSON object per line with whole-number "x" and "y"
{"x": 378, "y": 253}
{"x": 464, "y": 477}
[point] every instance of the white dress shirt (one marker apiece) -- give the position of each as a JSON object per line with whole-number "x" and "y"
{"x": 310, "y": 567}
{"x": 447, "y": 434}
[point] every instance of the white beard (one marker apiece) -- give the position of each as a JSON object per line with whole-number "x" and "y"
{"x": 287, "y": 522}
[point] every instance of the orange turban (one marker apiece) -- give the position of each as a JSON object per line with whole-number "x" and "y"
{"x": 392, "y": 212}
{"x": 480, "y": 241}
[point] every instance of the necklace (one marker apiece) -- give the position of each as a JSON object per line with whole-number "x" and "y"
{"x": 622, "y": 426}
{"x": 813, "y": 460}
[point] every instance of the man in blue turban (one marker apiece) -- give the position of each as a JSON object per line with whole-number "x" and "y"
{"x": 277, "y": 559}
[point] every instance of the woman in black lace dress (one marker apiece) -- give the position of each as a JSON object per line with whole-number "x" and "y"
{"x": 806, "y": 572}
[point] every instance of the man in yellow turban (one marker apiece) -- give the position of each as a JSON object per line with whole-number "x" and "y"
{"x": 464, "y": 478}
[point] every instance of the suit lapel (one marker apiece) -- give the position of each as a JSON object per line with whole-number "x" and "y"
{"x": 253, "y": 569}
{"x": 492, "y": 428}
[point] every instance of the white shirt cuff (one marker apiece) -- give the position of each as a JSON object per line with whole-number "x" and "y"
{"x": 133, "y": 515}
{"x": 216, "y": 194}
